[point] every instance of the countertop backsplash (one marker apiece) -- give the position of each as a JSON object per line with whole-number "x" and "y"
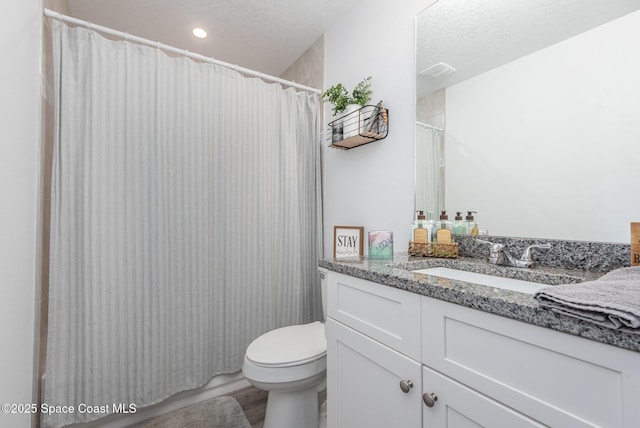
{"x": 600, "y": 257}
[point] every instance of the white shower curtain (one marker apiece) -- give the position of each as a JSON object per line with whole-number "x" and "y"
{"x": 429, "y": 169}
{"x": 184, "y": 221}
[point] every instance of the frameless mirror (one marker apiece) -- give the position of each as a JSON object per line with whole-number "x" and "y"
{"x": 529, "y": 113}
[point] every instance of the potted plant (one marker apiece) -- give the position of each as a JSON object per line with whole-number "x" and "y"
{"x": 342, "y": 101}
{"x": 339, "y": 96}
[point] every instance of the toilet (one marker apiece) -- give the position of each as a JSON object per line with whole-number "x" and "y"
{"x": 291, "y": 364}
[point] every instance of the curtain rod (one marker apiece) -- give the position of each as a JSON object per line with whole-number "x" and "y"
{"x": 56, "y": 15}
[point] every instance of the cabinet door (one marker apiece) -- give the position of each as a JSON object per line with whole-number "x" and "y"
{"x": 363, "y": 382}
{"x": 457, "y": 406}
{"x": 559, "y": 379}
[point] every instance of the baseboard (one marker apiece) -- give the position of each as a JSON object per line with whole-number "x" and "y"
{"x": 219, "y": 385}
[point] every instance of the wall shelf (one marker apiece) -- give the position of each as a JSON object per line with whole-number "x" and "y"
{"x": 363, "y": 126}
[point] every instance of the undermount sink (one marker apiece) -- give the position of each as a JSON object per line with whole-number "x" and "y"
{"x": 483, "y": 279}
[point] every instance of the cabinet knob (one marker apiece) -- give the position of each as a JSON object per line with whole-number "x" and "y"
{"x": 429, "y": 398}
{"x": 406, "y": 385}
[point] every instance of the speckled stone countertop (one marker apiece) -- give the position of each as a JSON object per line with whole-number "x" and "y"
{"x": 511, "y": 304}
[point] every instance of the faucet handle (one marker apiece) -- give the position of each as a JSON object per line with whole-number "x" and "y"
{"x": 495, "y": 251}
{"x": 482, "y": 241}
{"x": 494, "y": 247}
{"x": 527, "y": 255}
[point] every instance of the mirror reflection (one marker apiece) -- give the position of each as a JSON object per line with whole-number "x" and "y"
{"x": 529, "y": 113}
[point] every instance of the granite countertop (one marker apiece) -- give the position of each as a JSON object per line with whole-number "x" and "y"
{"x": 511, "y": 304}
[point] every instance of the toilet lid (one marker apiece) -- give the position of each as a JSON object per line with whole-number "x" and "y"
{"x": 288, "y": 346}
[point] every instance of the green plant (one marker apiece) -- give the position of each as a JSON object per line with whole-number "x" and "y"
{"x": 339, "y": 96}
{"x": 362, "y": 92}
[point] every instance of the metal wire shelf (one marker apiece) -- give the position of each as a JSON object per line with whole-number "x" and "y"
{"x": 367, "y": 124}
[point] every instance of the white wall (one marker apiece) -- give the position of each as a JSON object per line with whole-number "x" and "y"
{"x": 19, "y": 154}
{"x": 548, "y": 146}
{"x": 373, "y": 185}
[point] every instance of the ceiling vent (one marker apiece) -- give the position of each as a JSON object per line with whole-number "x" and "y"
{"x": 438, "y": 70}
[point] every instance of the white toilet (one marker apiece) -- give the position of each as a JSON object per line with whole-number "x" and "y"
{"x": 290, "y": 363}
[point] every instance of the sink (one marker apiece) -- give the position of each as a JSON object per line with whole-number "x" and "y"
{"x": 480, "y": 278}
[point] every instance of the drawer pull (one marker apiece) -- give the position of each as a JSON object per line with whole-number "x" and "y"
{"x": 406, "y": 385}
{"x": 429, "y": 398}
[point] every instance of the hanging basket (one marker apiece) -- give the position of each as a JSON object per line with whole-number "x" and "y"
{"x": 361, "y": 126}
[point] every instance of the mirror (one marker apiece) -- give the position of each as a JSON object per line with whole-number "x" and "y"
{"x": 531, "y": 112}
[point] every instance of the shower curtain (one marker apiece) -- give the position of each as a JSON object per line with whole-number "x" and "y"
{"x": 429, "y": 169}
{"x": 184, "y": 221}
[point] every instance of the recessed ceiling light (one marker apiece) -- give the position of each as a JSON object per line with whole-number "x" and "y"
{"x": 200, "y": 33}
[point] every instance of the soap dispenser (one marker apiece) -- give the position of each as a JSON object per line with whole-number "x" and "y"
{"x": 444, "y": 222}
{"x": 422, "y": 229}
{"x": 443, "y": 234}
{"x": 421, "y": 234}
{"x": 459, "y": 225}
{"x": 471, "y": 224}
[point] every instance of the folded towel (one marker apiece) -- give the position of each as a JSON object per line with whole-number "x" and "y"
{"x": 612, "y": 301}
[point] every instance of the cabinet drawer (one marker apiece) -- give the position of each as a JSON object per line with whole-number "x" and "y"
{"x": 556, "y": 378}
{"x": 386, "y": 314}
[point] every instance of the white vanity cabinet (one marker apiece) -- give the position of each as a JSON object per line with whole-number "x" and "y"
{"x": 373, "y": 350}
{"x": 473, "y": 368}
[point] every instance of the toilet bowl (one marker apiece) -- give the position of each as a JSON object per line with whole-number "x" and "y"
{"x": 290, "y": 363}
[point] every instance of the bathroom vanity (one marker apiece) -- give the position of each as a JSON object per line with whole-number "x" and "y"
{"x": 417, "y": 350}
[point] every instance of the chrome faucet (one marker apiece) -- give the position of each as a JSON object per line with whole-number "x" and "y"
{"x": 499, "y": 255}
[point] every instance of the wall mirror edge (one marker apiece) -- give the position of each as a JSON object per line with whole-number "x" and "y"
{"x": 596, "y": 208}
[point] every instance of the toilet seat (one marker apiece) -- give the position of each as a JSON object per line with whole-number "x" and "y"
{"x": 288, "y": 346}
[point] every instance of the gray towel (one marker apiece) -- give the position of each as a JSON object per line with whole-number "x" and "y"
{"x": 612, "y": 301}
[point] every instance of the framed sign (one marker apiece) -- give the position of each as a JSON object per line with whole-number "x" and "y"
{"x": 347, "y": 241}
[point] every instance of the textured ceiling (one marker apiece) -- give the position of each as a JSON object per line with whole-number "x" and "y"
{"x": 263, "y": 35}
{"x": 476, "y": 36}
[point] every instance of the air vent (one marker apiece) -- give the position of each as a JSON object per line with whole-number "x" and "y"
{"x": 438, "y": 70}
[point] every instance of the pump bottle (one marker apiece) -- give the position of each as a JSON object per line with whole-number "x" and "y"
{"x": 460, "y": 226}
{"x": 443, "y": 234}
{"x": 421, "y": 233}
{"x": 471, "y": 224}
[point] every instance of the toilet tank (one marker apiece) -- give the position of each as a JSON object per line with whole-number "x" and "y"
{"x": 323, "y": 290}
